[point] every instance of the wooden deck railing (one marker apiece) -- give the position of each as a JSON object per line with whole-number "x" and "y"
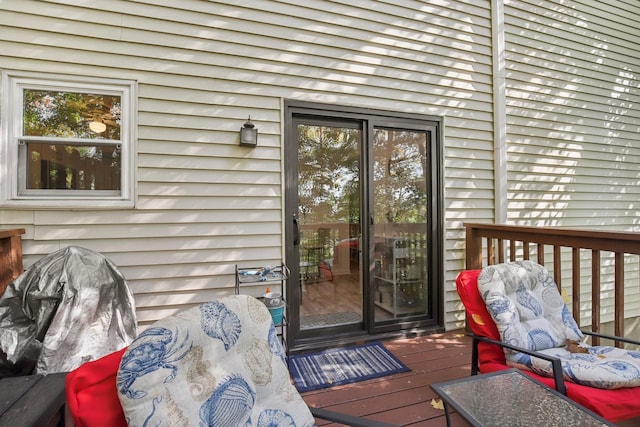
{"x": 488, "y": 244}
{"x": 10, "y": 256}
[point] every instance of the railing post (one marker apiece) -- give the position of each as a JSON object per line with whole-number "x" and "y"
{"x": 474, "y": 249}
{"x": 10, "y": 256}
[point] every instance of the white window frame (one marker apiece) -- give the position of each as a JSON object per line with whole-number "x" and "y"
{"x": 11, "y": 110}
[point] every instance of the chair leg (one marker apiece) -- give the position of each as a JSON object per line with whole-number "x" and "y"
{"x": 474, "y": 356}
{"x": 446, "y": 413}
{"x": 558, "y": 377}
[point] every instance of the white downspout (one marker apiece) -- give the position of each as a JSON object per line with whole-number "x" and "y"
{"x": 499, "y": 112}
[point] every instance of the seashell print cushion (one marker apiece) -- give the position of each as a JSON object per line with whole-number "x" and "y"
{"x": 218, "y": 364}
{"x": 604, "y": 367}
{"x": 525, "y": 304}
{"x": 528, "y": 310}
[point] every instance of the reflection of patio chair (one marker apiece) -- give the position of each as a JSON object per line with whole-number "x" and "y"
{"x": 219, "y": 363}
{"x": 310, "y": 267}
{"x": 524, "y": 291}
{"x": 313, "y": 265}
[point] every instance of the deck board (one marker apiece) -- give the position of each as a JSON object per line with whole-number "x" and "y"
{"x": 405, "y": 398}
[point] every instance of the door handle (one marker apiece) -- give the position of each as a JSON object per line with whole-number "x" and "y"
{"x": 296, "y": 232}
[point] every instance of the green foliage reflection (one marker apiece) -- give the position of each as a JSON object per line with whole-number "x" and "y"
{"x": 400, "y": 177}
{"x": 71, "y": 115}
{"x": 328, "y": 174}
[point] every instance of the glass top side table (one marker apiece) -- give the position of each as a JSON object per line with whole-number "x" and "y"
{"x": 511, "y": 398}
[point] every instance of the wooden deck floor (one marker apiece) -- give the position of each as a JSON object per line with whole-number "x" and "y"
{"x": 404, "y": 399}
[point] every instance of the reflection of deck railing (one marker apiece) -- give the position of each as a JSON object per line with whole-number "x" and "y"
{"x": 611, "y": 255}
{"x": 338, "y": 241}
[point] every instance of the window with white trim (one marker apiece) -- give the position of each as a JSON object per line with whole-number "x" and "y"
{"x": 67, "y": 142}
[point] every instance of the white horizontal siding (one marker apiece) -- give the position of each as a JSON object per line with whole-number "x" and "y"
{"x": 202, "y": 67}
{"x": 573, "y": 122}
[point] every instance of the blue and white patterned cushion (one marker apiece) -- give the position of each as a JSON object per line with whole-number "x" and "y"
{"x": 525, "y": 303}
{"x": 529, "y": 312}
{"x": 603, "y": 367}
{"x": 218, "y": 364}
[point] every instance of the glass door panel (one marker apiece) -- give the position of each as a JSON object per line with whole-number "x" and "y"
{"x": 400, "y": 203}
{"x": 329, "y": 224}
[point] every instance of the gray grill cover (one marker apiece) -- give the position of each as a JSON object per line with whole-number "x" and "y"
{"x": 69, "y": 307}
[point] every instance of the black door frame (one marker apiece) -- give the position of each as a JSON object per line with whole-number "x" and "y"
{"x": 299, "y": 340}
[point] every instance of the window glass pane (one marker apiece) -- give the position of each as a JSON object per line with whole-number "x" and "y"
{"x": 73, "y": 167}
{"x": 52, "y": 113}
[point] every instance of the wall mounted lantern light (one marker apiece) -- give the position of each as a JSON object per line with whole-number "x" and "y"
{"x": 249, "y": 134}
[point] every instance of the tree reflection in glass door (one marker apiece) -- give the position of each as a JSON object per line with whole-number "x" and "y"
{"x": 400, "y": 222}
{"x": 329, "y": 223}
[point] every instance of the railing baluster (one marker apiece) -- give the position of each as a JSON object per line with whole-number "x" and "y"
{"x": 575, "y": 283}
{"x": 490, "y": 254}
{"x": 595, "y": 294}
{"x": 618, "y": 317}
{"x": 557, "y": 267}
{"x": 540, "y": 253}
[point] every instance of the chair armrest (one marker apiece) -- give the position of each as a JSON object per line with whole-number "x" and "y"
{"x": 556, "y": 364}
{"x": 611, "y": 337}
{"x": 346, "y": 419}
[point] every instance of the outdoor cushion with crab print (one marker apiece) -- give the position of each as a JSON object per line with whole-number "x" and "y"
{"x": 524, "y": 301}
{"x": 218, "y": 364}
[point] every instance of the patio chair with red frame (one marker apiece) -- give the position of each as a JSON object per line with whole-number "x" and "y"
{"x": 488, "y": 355}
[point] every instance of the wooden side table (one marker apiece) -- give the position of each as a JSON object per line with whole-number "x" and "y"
{"x": 509, "y": 398}
{"x": 33, "y": 400}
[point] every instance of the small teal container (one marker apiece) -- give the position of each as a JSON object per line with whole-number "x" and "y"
{"x": 277, "y": 313}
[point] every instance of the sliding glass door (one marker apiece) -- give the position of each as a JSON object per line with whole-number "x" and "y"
{"x": 362, "y": 203}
